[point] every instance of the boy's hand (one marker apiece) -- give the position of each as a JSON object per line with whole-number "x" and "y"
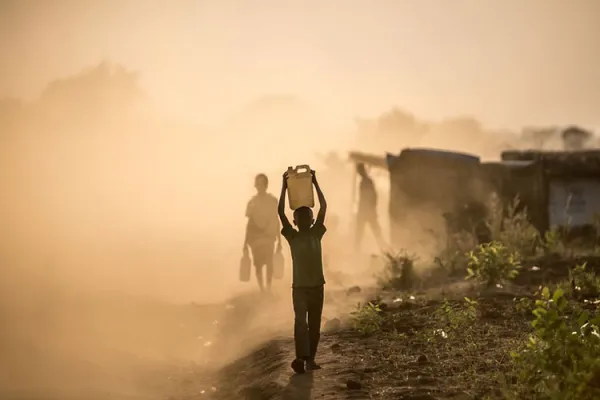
{"x": 285, "y": 178}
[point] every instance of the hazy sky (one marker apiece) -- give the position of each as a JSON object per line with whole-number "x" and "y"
{"x": 509, "y": 62}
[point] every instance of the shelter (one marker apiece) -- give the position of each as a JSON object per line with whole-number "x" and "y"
{"x": 564, "y": 186}
{"x": 437, "y": 182}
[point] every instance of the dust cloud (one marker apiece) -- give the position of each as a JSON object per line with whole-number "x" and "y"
{"x": 121, "y": 226}
{"x": 122, "y": 212}
{"x": 115, "y": 217}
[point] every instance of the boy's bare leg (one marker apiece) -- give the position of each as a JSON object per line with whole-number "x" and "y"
{"x": 269, "y": 275}
{"x": 259, "y": 278}
{"x": 376, "y": 228}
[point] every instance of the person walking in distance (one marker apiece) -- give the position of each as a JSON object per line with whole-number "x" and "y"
{"x": 307, "y": 271}
{"x": 367, "y": 207}
{"x": 262, "y": 231}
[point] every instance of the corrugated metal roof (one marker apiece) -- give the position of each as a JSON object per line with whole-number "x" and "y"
{"x": 368, "y": 159}
{"x": 442, "y": 154}
{"x": 560, "y": 162}
{"x": 563, "y": 156}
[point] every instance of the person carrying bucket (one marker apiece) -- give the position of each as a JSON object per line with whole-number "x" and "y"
{"x": 308, "y": 279}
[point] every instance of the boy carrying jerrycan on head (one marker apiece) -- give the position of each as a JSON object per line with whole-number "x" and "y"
{"x": 307, "y": 263}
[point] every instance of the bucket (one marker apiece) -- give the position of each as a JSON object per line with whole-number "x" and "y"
{"x": 300, "y": 187}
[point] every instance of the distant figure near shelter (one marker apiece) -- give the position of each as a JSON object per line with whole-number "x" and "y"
{"x": 367, "y": 207}
{"x": 262, "y": 230}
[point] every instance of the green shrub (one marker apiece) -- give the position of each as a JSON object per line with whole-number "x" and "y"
{"x": 493, "y": 263}
{"x": 553, "y": 243}
{"x": 398, "y": 271}
{"x": 511, "y": 226}
{"x": 457, "y": 317}
{"x": 367, "y": 319}
{"x": 453, "y": 259}
{"x": 584, "y": 283}
{"x": 524, "y": 305}
{"x": 562, "y": 359}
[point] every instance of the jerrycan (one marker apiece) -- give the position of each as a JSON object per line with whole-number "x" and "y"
{"x": 245, "y": 266}
{"x": 300, "y": 187}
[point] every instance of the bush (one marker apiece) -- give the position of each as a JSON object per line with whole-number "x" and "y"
{"x": 399, "y": 271}
{"x": 492, "y": 264}
{"x": 584, "y": 283}
{"x": 453, "y": 259}
{"x": 511, "y": 226}
{"x": 553, "y": 243}
{"x": 367, "y": 319}
{"x": 562, "y": 358}
{"x": 457, "y": 317}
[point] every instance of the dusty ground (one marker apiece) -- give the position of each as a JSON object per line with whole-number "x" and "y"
{"x": 245, "y": 352}
{"x": 409, "y": 358}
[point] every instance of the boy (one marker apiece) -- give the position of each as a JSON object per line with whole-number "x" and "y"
{"x": 262, "y": 230}
{"x": 308, "y": 280}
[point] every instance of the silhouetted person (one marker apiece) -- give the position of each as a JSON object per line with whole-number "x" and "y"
{"x": 367, "y": 207}
{"x": 308, "y": 279}
{"x": 262, "y": 230}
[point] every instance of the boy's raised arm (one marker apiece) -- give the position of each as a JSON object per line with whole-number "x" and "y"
{"x": 281, "y": 206}
{"x": 322, "y": 201}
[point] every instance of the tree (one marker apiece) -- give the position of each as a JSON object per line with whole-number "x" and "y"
{"x": 95, "y": 95}
{"x": 397, "y": 121}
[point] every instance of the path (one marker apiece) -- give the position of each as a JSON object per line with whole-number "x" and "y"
{"x": 265, "y": 372}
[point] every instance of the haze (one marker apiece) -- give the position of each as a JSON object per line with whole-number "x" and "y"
{"x": 131, "y": 131}
{"x": 508, "y": 62}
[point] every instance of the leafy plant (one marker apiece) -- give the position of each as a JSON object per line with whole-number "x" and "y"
{"x": 399, "y": 271}
{"x": 367, "y": 319}
{"x": 493, "y": 263}
{"x": 584, "y": 283}
{"x": 524, "y": 305}
{"x": 452, "y": 259}
{"x": 553, "y": 242}
{"x": 457, "y": 316}
{"x": 511, "y": 226}
{"x": 562, "y": 358}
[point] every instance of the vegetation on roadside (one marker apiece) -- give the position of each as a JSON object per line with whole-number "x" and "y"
{"x": 543, "y": 345}
{"x": 493, "y": 264}
{"x": 367, "y": 319}
{"x": 562, "y": 357}
{"x": 399, "y": 271}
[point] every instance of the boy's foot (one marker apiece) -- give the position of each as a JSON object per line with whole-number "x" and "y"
{"x": 298, "y": 366}
{"x": 311, "y": 365}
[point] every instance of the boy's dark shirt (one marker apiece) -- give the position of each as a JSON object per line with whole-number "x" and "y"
{"x": 307, "y": 257}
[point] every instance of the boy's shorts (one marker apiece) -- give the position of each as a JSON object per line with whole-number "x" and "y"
{"x": 262, "y": 254}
